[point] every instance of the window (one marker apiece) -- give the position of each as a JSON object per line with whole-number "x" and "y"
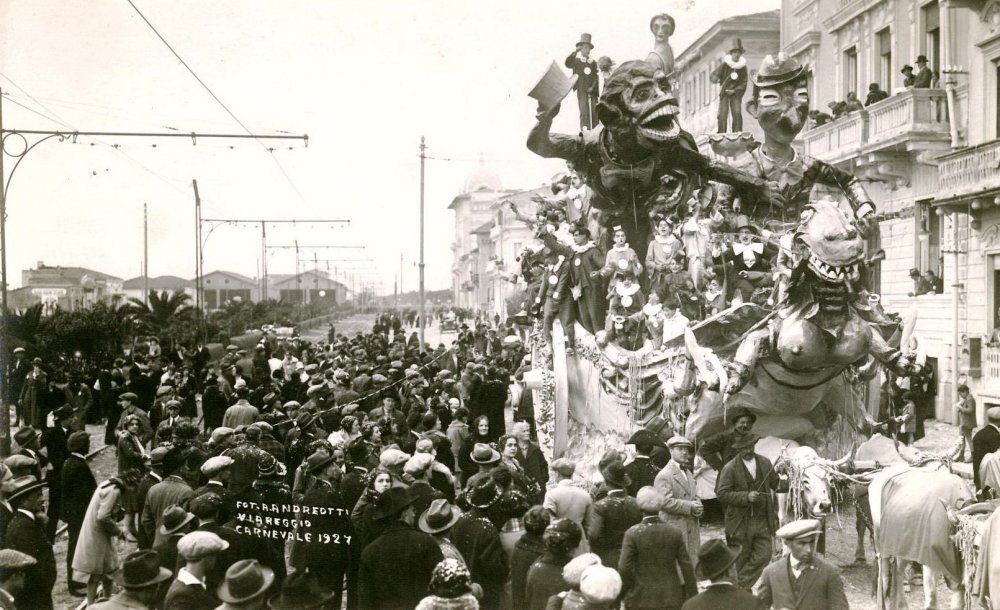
{"x": 928, "y": 243}
{"x": 883, "y": 41}
{"x": 931, "y": 15}
{"x": 850, "y": 75}
{"x": 517, "y": 248}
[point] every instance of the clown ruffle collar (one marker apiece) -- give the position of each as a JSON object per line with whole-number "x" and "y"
{"x": 738, "y": 64}
{"x": 626, "y": 291}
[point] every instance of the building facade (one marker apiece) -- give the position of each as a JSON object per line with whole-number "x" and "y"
{"x": 919, "y": 153}
{"x": 221, "y": 287}
{"x": 694, "y": 67}
{"x": 310, "y": 286}
{"x": 69, "y": 288}
{"x": 135, "y": 287}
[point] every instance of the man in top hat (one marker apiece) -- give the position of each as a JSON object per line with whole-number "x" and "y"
{"x": 800, "y": 580}
{"x": 682, "y": 507}
{"x": 13, "y": 575}
{"x": 655, "y": 566}
{"x": 199, "y": 550}
{"x": 585, "y": 68}
{"x": 782, "y": 81}
{"x": 477, "y": 538}
{"x": 732, "y": 78}
{"x": 641, "y": 470}
{"x": 612, "y": 514}
{"x": 717, "y": 563}
{"x": 745, "y": 488}
{"x": 140, "y": 578}
{"x": 78, "y": 485}
{"x": 907, "y": 73}
{"x": 246, "y": 585}
{"x": 922, "y": 79}
{"x": 26, "y": 533}
{"x": 396, "y": 567}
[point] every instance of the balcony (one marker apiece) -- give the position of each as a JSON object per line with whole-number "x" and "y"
{"x": 991, "y": 370}
{"x": 914, "y": 120}
{"x": 839, "y": 140}
{"x": 973, "y": 169}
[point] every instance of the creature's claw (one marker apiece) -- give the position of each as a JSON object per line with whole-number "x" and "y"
{"x": 738, "y": 377}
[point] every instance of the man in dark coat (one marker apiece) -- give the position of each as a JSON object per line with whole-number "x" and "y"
{"x": 55, "y": 440}
{"x": 584, "y": 67}
{"x": 717, "y": 563}
{"x": 745, "y": 488}
{"x": 327, "y": 554}
{"x": 732, "y": 78}
{"x": 29, "y": 441}
{"x": 987, "y": 440}
{"x": 612, "y": 516}
{"x": 800, "y": 580}
{"x": 78, "y": 485}
{"x": 717, "y": 450}
{"x": 654, "y": 560}
{"x": 396, "y": 568}
{"x": 924, "y": 76}
{"x": 172, "y": 490}
{"x": 16, "y": 374}
{"x": 478, "y": 540}
{"x": 26, "y": 534}
{"x": 642, "y": 471}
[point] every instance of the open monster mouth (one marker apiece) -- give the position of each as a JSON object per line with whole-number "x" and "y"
{"x": 659, "y": 123}
{"x": 835, "y": 273}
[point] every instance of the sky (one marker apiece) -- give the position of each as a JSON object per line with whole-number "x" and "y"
{"x": 365, "y": 80}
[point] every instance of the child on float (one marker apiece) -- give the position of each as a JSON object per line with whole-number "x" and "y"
{"x": 663, "y": 248}
{"x": 620, "y": 258}
{"x": 625, "y": 300}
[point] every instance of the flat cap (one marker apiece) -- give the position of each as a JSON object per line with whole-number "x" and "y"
{"x": 393, "y": 457}
{"x": 156, "y": 455}
{"x": 163, "y": 390}
{"x": 993, "y": 414}
{"x": 564, "y": 467}
{"x": 215, "y": 465}
{"x": 15, "y": 560}
{"x": 803, "y": 528}
{"x": 130, "y": 396}
{"x": 220, "y": 433}
{"x": 195, "y": 545}
{"x": 677, "y": 440}
{"x": 291, "y": 404}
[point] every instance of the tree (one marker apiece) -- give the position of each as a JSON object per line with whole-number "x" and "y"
{"x": 162, "y": 314}
{"x": 24, "y": 328}
{"x": 96, "y": 333}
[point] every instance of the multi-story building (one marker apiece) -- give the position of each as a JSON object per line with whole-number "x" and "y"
{"x": 694, "y": 67}
{"x": 933, "y": 204}
{"x": 69, "y": 288}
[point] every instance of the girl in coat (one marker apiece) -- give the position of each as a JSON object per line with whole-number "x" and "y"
{"x": 97, "y": 550}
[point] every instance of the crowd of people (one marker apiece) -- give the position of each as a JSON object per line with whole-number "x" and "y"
{"x": 366, "y": 473}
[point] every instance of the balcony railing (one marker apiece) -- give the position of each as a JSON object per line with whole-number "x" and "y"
{"x": 969, "y": 170}
{"x": 837, "y": 140}
{"x": 916, "y": 110}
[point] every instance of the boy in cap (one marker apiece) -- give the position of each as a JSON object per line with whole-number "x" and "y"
{"x": 189, "y": 590}
{"x": 801, "y": 580}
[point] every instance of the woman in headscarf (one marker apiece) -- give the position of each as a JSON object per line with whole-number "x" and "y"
{"x": 451, "y": 588}
{"x": 366, "y": 527}
{"x": 97, "y": 552}
{"x": 519, "y": 478}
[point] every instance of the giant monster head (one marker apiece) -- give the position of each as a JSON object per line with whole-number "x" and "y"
{"x": 638, "y": 108}
{"x": 829, "y": 241}
{"x": 780, "y": 101}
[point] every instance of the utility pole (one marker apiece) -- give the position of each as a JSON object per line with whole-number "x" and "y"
{"x": 5, "y": 416}
{"x": 263, "y": 261}
{"x": 197, "y": 255}
{"x": 400, "y": 276}
{"x": 145, "y": 256}
{"x": 423, "y": 321}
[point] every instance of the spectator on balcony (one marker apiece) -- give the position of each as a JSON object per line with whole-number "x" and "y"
{"x": 937, "y": 284}
{"x": 818, "y": 117}
{"x": 924, "y": 76}
{"x": 837, "y": 109}
{"x": 907, "y": 76}
{"x": 920, "y": 284}
{"x": 875, "y": 94}
{"x": 852, "y": 103}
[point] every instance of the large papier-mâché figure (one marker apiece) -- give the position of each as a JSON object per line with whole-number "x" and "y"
{"x": 780, "y": 103}
{"x": 639, "y": 156}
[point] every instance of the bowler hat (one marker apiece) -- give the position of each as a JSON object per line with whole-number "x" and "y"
{"x": 645, "y": 437}
{"x": 142, "y": 569}
{"x": 25, "y": 435}
{"x": 440, "y": 516}
{"x": 245, "y": 580}
{"x": 300, "y": 591}
{"x": 921, "y": 59}
{"x": 714, "y": 558}
{"x": 777, "y": 70}
{"x": 392, "y": 502}
{"x": 585, "y": 40}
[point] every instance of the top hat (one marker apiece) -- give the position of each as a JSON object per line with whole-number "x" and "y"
{"x": 645, "y": 437}
{"x": 585, "y": 40}
{"x": 549, "y": 91}
{"x": 714, "y": 558}
{"x": 440, "y": 516}
{"x": 245, "y": 580}
{"x": 737, "y": 45}
{"x": 777, "y": 70}
{"x": 742, "y": 222}
{"x": 142, "y": 569}
{"x": 921, "y": 59}
{"x": 300, "y": 591}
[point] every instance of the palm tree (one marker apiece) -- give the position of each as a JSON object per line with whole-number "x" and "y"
{"x": 163, "y": 310}
{"x": 25, "y": 326}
